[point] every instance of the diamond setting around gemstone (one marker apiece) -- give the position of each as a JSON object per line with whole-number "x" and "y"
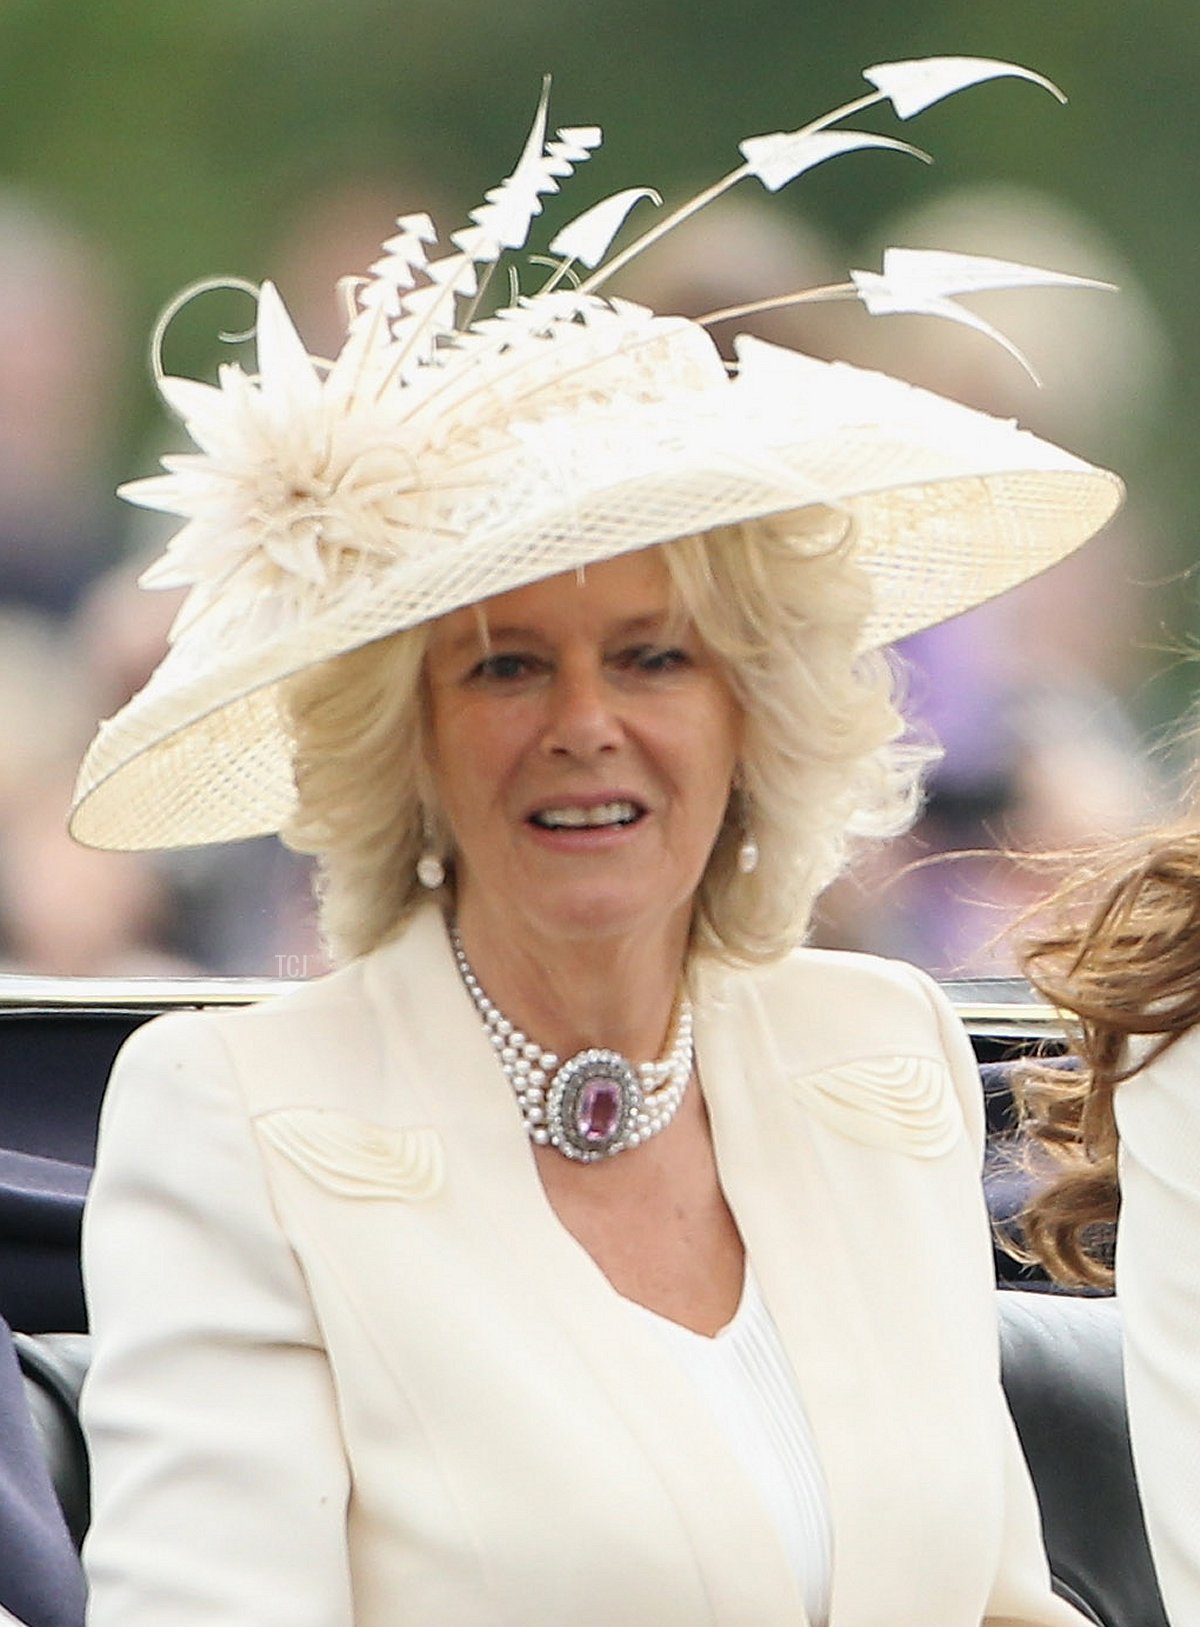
{"x": 593, "y": 1105}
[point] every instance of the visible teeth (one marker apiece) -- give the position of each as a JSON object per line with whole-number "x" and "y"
{"x": 606, "y": 813}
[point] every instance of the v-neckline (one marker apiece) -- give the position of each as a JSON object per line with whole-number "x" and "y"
{"x": 748, "y": 1293}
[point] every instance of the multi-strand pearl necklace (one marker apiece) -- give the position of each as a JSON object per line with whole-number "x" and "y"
{"x": 595, "y": 1104}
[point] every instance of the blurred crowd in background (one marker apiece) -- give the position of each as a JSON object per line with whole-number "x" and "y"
{"x": 1039, "y": 700}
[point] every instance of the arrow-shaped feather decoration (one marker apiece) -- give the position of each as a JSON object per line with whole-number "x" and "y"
{"x": 944, "y": 272}
{"x": 911, "y": 87}
{"x": 502, "y": 221}
{"x": 588, "y": 236}
{"x": 574, "y": 145}
{"x": 881, "y": 300}
{"x": 924, "y": 282}
{"x": 510, "y": 208}
{"x": 779, "y": 158}
{"x": 405, "y": 254}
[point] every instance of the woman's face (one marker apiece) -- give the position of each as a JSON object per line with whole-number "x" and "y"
{"x": 583, "y": 751}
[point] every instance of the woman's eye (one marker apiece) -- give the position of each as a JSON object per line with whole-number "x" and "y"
{"x": 501, "y": 668}
{"x": 657, "y": 658}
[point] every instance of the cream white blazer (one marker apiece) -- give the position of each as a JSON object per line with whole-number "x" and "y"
{"x": 350, "y": 1368}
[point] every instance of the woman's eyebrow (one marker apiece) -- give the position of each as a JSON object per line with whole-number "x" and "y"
{"x": 486, "y": 636}
{"x": 651, "y": 622}
{"x": 491, "y": 633}
{"x": 516, "y": 633}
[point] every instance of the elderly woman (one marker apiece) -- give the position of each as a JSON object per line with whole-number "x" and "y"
{"x": 582, "y": 1250}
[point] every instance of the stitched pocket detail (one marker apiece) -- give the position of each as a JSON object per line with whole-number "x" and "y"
{"x": 906, "y": 1103}
{"x": 355, "y": 1158}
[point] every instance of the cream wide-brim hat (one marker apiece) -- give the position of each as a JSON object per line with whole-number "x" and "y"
{"x": 443, "y": 458}
{"x": 943, "y": 506}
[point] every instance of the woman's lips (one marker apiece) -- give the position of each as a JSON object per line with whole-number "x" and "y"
{"x": 613, "y": 813}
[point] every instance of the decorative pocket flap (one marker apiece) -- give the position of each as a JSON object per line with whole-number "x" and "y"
{"x": 355, "y": 1158}
{"x": 906, "y": 1103}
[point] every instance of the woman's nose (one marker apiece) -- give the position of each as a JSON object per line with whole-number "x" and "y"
{"x": 582, "y": 719}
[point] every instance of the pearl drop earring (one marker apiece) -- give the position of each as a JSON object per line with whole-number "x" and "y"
{"x": 431, "y": 872}
{"x": 742, "y": 811}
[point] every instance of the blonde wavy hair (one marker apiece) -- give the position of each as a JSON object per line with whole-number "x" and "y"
{"x": 823, "y": 760}
{"x": 1129, "y": 966}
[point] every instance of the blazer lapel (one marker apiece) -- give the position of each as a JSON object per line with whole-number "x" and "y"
{"x": 824, "y": 1227}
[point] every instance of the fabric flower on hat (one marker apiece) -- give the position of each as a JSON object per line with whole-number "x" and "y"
{"x": 295, "y": 480}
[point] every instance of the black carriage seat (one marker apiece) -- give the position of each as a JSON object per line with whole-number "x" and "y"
{"x": 1062, "y": 1368}
{"x": 54, "y": 1366}
{"x": 41, "y": 1579}
{"x": 54, "y": 1063}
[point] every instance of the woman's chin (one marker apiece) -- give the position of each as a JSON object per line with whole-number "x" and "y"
{"x": 600, "y": 915}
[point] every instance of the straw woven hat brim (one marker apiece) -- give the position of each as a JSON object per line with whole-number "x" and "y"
{"x": 945, "y": 507}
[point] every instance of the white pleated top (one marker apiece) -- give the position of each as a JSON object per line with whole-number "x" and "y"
{"x": 746, "y": 1380}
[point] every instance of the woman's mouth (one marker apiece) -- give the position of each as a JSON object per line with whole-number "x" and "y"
{"x": 598, "y": 816}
